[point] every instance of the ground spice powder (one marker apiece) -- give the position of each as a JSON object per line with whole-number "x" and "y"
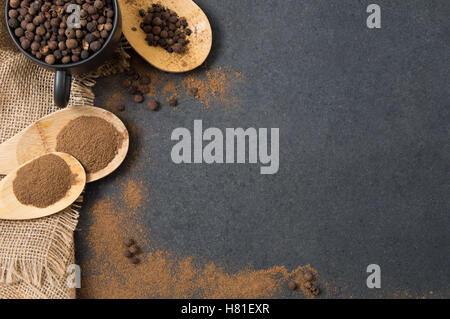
{"x": 108, "y": 274}
{"x": 208, "y": 85}
{"x": 91, "y": 140}
{"x": 43, "y": 182}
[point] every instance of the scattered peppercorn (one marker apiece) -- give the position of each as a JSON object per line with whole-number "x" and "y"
{"x": 120, "y": 108}
{"x": 138, "y": 98}
{"x": 315, "y": 291}
{"x": 133, "y": 249}
{"x": 128, "y": 254}
{"x": 135, "y": 260}
{"x": 127, "y": 83}
{"x": 308, "y": 276}
{"x": 153, "y": 105}
{"x": 128, "y": 242}
{"x": 173, "y": 101}
{"x": 292, "y": 285}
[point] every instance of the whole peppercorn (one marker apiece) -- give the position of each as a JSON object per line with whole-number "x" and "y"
{"x": 50, "y": 59}
{"x": 308, "y": 276}
{"x": 40, "y": 31}
{"x": 164, "y": 34}
{"x": 127, "y": 83}
{"x": 144, "y": 89}
{"x": 70, "y": 33}
{"x": 138, "y": 98}
{"x": 153, "y": 105}
{"x": 38, "y": 20}
{"x": 91, "y": 10}
{"x": 19, "y": 32}
{"x": 315, "y": 291}
{"x": 177, "y": 47}
{"x": 156, "y": 30}
{"x": 135, "y": 260}
{"x": 89, "y": 37}
{"x": 13, "y": 13}
{"x": 66, "y": 59}
{"x": 128, "y": 242}
{"x": 110, "y": 13}
{"x": 71, "y": 43}
{"x": 57, "y": 54}
{"x": 29, "y": 35}
{"x": 157, "y": 21}
{"x": 14, "y": 3}
{"x": 79, "y": 34}
{"x": 35, "y": 46}
{"x": 173, "y": 101}
{"x": 292, "y": 285}
{"x": 95, "y": 46}
{"x": 91, "y": 26}
{"x": 134, "y": 249}
{"x": 84, "y": 54}
{"x": 52, "y": 45}
{"x": 128, "y": 254}
{"x": 13, "y": 23}
{"x": 98, "y": 4}
{"x": 25, "y": 44}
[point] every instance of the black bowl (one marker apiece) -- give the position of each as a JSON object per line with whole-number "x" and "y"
{"x": 63, "y": 72}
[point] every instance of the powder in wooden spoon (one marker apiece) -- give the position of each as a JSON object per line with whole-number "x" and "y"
{"x": 91, "y": 140}
{"x": 43, "y": 181}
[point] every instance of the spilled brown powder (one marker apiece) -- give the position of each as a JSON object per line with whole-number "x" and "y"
{"x": 43, "y": 182}
{"x": 161, "y": 274}
{"x": 92, "y": 140}
{"x": 211, "y": 84}
{"x": 214, "y": 86}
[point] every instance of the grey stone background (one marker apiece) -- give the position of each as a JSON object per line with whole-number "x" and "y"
{"x": 364, "y": 147}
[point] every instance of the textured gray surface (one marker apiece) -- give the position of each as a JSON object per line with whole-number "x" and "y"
{"x": 364, "y": 153}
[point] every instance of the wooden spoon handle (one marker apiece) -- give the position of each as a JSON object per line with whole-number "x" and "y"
{"x": 8, "y": 156}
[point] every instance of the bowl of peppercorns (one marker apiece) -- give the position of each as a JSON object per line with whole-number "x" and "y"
{"x": 67, "y": 36}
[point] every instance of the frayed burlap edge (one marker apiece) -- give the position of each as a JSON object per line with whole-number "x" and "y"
{"x": 53, "y": 267}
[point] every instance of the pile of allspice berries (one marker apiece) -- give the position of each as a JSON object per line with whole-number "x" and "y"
{"x": 165, "y": 28}
{"x": 309, "y": 284}
{"x": 43, "y": 29}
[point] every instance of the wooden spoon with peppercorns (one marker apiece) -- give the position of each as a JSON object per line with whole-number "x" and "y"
{"x": 192, "y": 22}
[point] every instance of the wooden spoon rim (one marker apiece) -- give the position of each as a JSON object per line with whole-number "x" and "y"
{"x": 33, "y": 212}
{"x": 73, "y": 113}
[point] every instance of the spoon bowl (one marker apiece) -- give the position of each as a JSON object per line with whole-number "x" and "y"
{"x": 12, "y": 209}
{"x": 40, "y": 138}
{"x": 200, "y": 39}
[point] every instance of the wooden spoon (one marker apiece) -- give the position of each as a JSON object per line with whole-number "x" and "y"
{"x": 12, "y": 209}
{"x": 200, "y": 38}
{"x": 40, "y": 138}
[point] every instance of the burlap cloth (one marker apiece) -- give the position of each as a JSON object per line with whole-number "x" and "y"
{"x": 35, "y": 255}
